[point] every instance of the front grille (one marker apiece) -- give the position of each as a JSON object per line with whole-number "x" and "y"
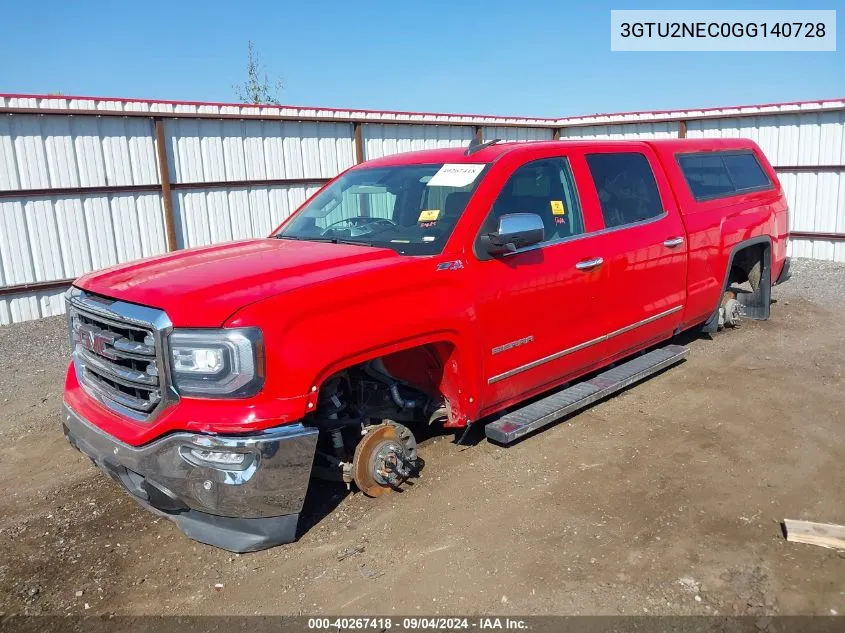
{"x": 117, "y": 352}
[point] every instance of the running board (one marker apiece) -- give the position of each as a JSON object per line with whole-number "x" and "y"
{"x": 536, "y": 415}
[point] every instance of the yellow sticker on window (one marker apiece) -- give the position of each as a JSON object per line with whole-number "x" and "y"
{"x": 557, "y": 207}
{"x": 429, "y": 215}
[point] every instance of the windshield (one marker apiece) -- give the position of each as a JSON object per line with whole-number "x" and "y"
{"x": 409, "y": 208}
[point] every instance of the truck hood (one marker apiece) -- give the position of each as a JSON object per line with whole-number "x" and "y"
{"x": 203, "y": 287}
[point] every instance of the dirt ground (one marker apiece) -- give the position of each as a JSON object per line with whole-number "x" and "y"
{"x": 664, "y": 500}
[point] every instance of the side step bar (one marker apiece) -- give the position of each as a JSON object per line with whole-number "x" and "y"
{"x": 536, "y": 415}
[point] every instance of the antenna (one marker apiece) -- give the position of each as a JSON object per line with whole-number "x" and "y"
{"x": 475, "y": 146}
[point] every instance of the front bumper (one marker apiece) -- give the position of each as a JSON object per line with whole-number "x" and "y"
{"x": 244, "y": 507}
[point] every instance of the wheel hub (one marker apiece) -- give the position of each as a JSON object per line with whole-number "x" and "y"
{"x": 732, "y": 313}
{"x": 384, "y": 459}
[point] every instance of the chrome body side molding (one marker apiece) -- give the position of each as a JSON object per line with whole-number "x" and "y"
{"x": 580, "y": 346}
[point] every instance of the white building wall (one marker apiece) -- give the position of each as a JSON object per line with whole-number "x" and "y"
{"x": 222, "y": 215}
{"x": 48, "y": 236}
{"x": 202, "y": 150}
{"x": 384, "y": 140}
{"x": 502, "y": 133}
{"x": 622, "y": 131}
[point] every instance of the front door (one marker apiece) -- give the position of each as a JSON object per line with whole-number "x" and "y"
{"x": 538, "y": 308}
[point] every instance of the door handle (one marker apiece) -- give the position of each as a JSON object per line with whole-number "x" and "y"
{"x": 589, "y": 264}
{"x": 672, "y": 242}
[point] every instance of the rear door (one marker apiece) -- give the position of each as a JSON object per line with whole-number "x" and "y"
{"x": 643, "y": 246}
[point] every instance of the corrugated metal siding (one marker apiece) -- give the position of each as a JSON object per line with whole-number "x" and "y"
{"x": 618, "y": 132}
{"x": 46, "y": 151}
{"x": 817, "y": 249}
{"x": 31, "y": 305}
{"x": 384, "y": 140}
{"x": 817, "y": 205}
{"x": 793, "y": 139}
{"x": 51, "y": 237}
{"x": 201, "y": 150}
{"x": 220, "y": 215}
{"x": 517, "y": 133}
{"x": 44, "y": 239}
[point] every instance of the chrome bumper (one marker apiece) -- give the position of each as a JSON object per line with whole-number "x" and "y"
{"x": 243, "y": 507}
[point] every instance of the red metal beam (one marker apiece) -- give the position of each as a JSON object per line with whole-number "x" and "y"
{"x": 812, "y": 235}
{"x": 268, "y": 117}
{"x": 815, "y": 102}
{"x": 166, "y": 195}
{"x": 33, "y": 286}
{"x": 78, "y": 191}
{"x": 220, "y": 104}
{"x": 155, "y": 188}
{"x": 799, "y": 169}
{"x": 358, "y": 138}
{"x": 235, "y": 184}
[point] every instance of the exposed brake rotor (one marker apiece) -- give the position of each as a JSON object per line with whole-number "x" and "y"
{"x": 385, "y": 458}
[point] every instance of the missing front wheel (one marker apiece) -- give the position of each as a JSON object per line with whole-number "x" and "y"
{"x": 385, "y": 458}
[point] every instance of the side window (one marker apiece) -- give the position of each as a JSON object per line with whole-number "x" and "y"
{"x": 627, "y": 190}
{"x": 746, "y": 172}
{"x": 706, "y": 175}
{"x": 545, "y": 187}
{"x": 721, "y": 174}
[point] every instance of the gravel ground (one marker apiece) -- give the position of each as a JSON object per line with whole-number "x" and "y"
{"x": 32, "y": 358}
{"x": 815, "y": 281}
{"x": 666, "y": 499}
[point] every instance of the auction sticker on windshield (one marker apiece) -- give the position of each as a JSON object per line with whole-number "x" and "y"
{"x": 455, "y": 175}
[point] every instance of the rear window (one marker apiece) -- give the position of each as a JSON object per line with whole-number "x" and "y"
{"x": 721, "y": 174}
{"x": 745, "y": 172}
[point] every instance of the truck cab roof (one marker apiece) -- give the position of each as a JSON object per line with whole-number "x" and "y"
{"x": 494, "y": 151}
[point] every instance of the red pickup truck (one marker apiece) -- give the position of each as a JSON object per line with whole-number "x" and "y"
{"x": 505, "y": 284}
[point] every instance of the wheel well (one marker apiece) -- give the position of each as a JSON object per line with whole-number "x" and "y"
{"x": 747, "y": 265}
{"x": 423, "y": 377}
{"x": 749, "y": 262}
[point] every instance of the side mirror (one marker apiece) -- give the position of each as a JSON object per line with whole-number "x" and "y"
{"x": 516, "y": 230}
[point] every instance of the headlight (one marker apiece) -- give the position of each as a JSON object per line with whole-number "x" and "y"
{"x": 216, "y": 363}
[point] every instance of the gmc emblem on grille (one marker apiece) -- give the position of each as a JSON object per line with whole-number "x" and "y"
{"x": 94, "y": 339}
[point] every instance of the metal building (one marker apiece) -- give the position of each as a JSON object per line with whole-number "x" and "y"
{"x": 88, "y": 182}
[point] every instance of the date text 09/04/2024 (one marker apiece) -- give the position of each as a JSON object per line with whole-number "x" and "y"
{"x": 417, "y": 623}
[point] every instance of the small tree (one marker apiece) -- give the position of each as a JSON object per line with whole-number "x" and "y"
{"x": 257, "y": 88}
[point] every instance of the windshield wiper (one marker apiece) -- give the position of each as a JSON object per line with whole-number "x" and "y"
{"x": 338, "y": 240}
{"x": 328, "y": 240}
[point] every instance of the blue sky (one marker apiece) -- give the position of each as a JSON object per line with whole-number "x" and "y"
{"x": 517, "y": 57}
